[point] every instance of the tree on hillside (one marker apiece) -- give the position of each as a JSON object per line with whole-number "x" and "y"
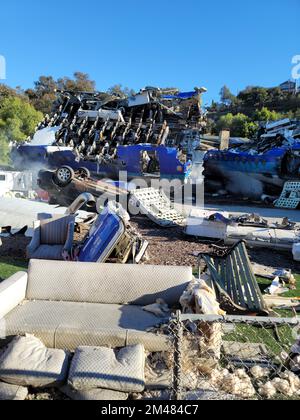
{"x": 120, "y": 91}
{"x": 227, "y": 98}
{"x": 80, "y": 83}
{"x": 254, "y": 96}
{"x": 265, "y": 115}
{"x": 18, "y": 120}
{"x": 7, "y": 92}
{"x": 43, "y": 94}
{"x": 239, "y": 125}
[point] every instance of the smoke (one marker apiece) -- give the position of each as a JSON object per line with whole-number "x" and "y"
{"x": 45, "y": 136}
{"x": 244, "y": 185}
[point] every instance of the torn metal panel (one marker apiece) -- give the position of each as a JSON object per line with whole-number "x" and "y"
{"x": 290, "y": 196}
{"x": 262, "y": 237}
{"x": 157, "y": 207}
{"x": 235, "y": 283}
{"x": 200, "y": 224}
{"x": 251, "y": 228}
{"x": 15, "y": 183}
{"x": 17, "y": 213}
{"x": 265, "y": 163}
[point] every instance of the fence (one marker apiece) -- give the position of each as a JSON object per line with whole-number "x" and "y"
{"x": 235, "y": 357}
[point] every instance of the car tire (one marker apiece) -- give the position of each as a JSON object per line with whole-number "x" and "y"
{"x": 64, "y": 175}
{"x": 84, "y": 173}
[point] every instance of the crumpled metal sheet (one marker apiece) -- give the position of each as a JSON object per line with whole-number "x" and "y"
{"x": 17, "y": 213}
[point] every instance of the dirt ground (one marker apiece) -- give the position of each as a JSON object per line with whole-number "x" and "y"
{"x": 14, "y": 247}
{"x": 166, "y": 247}
{"x": 173, "y": 247}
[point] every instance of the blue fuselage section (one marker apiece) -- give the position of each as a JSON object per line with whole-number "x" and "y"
{"x": 227, "y": 161}
{"x": 128, "y": 159}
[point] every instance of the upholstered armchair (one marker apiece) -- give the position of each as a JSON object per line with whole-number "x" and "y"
{"x": 52, "y": 238}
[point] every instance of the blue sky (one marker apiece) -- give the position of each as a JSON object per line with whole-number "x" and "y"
{"x": 184, "y": 43}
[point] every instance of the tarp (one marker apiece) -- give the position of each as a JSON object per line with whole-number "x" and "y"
{"x": 182, "y": 95}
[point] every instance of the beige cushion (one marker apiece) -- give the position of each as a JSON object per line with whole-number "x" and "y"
{"x": 94, "y": 367}
{"x": 67, "y": 325}
{"x": 54, "y": 231}
{"x": 106, "y": 283}
{"x": 27, "y": 362}
{"x": 94, "y": 394}
{"x": 12, "y": 292}
{"x": 12, "y": 392}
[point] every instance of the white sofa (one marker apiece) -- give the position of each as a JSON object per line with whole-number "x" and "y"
{"x": 70, "y": 304}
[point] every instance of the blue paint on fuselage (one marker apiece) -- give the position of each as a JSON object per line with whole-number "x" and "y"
{"x": 128, "y": 159}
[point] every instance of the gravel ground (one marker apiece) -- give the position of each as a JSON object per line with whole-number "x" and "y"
{"x": 14, "y": 246}
{"x": 166, "y": 247}
{"x": 173, "y": 247}
{"x": 169, "y": 246}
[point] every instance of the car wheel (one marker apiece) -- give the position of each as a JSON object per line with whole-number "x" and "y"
{"x": 84, "y": 173}
{"x": 64, "y": 175}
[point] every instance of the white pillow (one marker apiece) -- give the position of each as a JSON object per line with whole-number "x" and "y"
{"x": 27, "y": 362}
{"x": 12, "y": 392}
{"x": 98, "y": 367}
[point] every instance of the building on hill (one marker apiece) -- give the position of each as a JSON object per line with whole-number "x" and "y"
{"x": 289, "y": 86}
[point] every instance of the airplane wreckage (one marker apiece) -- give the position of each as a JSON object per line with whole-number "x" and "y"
{"x": 262, "y": 165}
{"x": 139, "y": 135}
{"x": 156, "y": 134}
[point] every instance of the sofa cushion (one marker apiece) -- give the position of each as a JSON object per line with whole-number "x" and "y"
{"x": 94, "y": 394}
{"x": 53, "y": 252}
{"x": 12, "y": 392}
{"x": 12, "y": 293}
{"x": 54, "y": 231}
{"x": 27, "y": 362}
{"x": 67, "y": 325}
{"x": 106, "y": 283}
{"x": 96, "y": 367}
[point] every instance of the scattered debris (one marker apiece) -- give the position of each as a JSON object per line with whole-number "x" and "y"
{"x": 251, "y": 228}
{"x": 278, "y": 302}
{"x": 277, "y": 287}
{"x": 296, "y": 252}
{"x": 160, "y": 309}
{"x": 235, "y": 283}
{"x": 290, "y": 196}
{"x": 260, "y": 166}
{"x": 246, "y": 354}
{"x": 112, "y": 236}
{"x": 237, "y": 383}
{"x": 156, "y": 205}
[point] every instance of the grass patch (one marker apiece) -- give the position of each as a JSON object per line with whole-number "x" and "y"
{"x": 10, "y": 266}
{"x": 265, "y": 283}
{"x": 275, "y": 339}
